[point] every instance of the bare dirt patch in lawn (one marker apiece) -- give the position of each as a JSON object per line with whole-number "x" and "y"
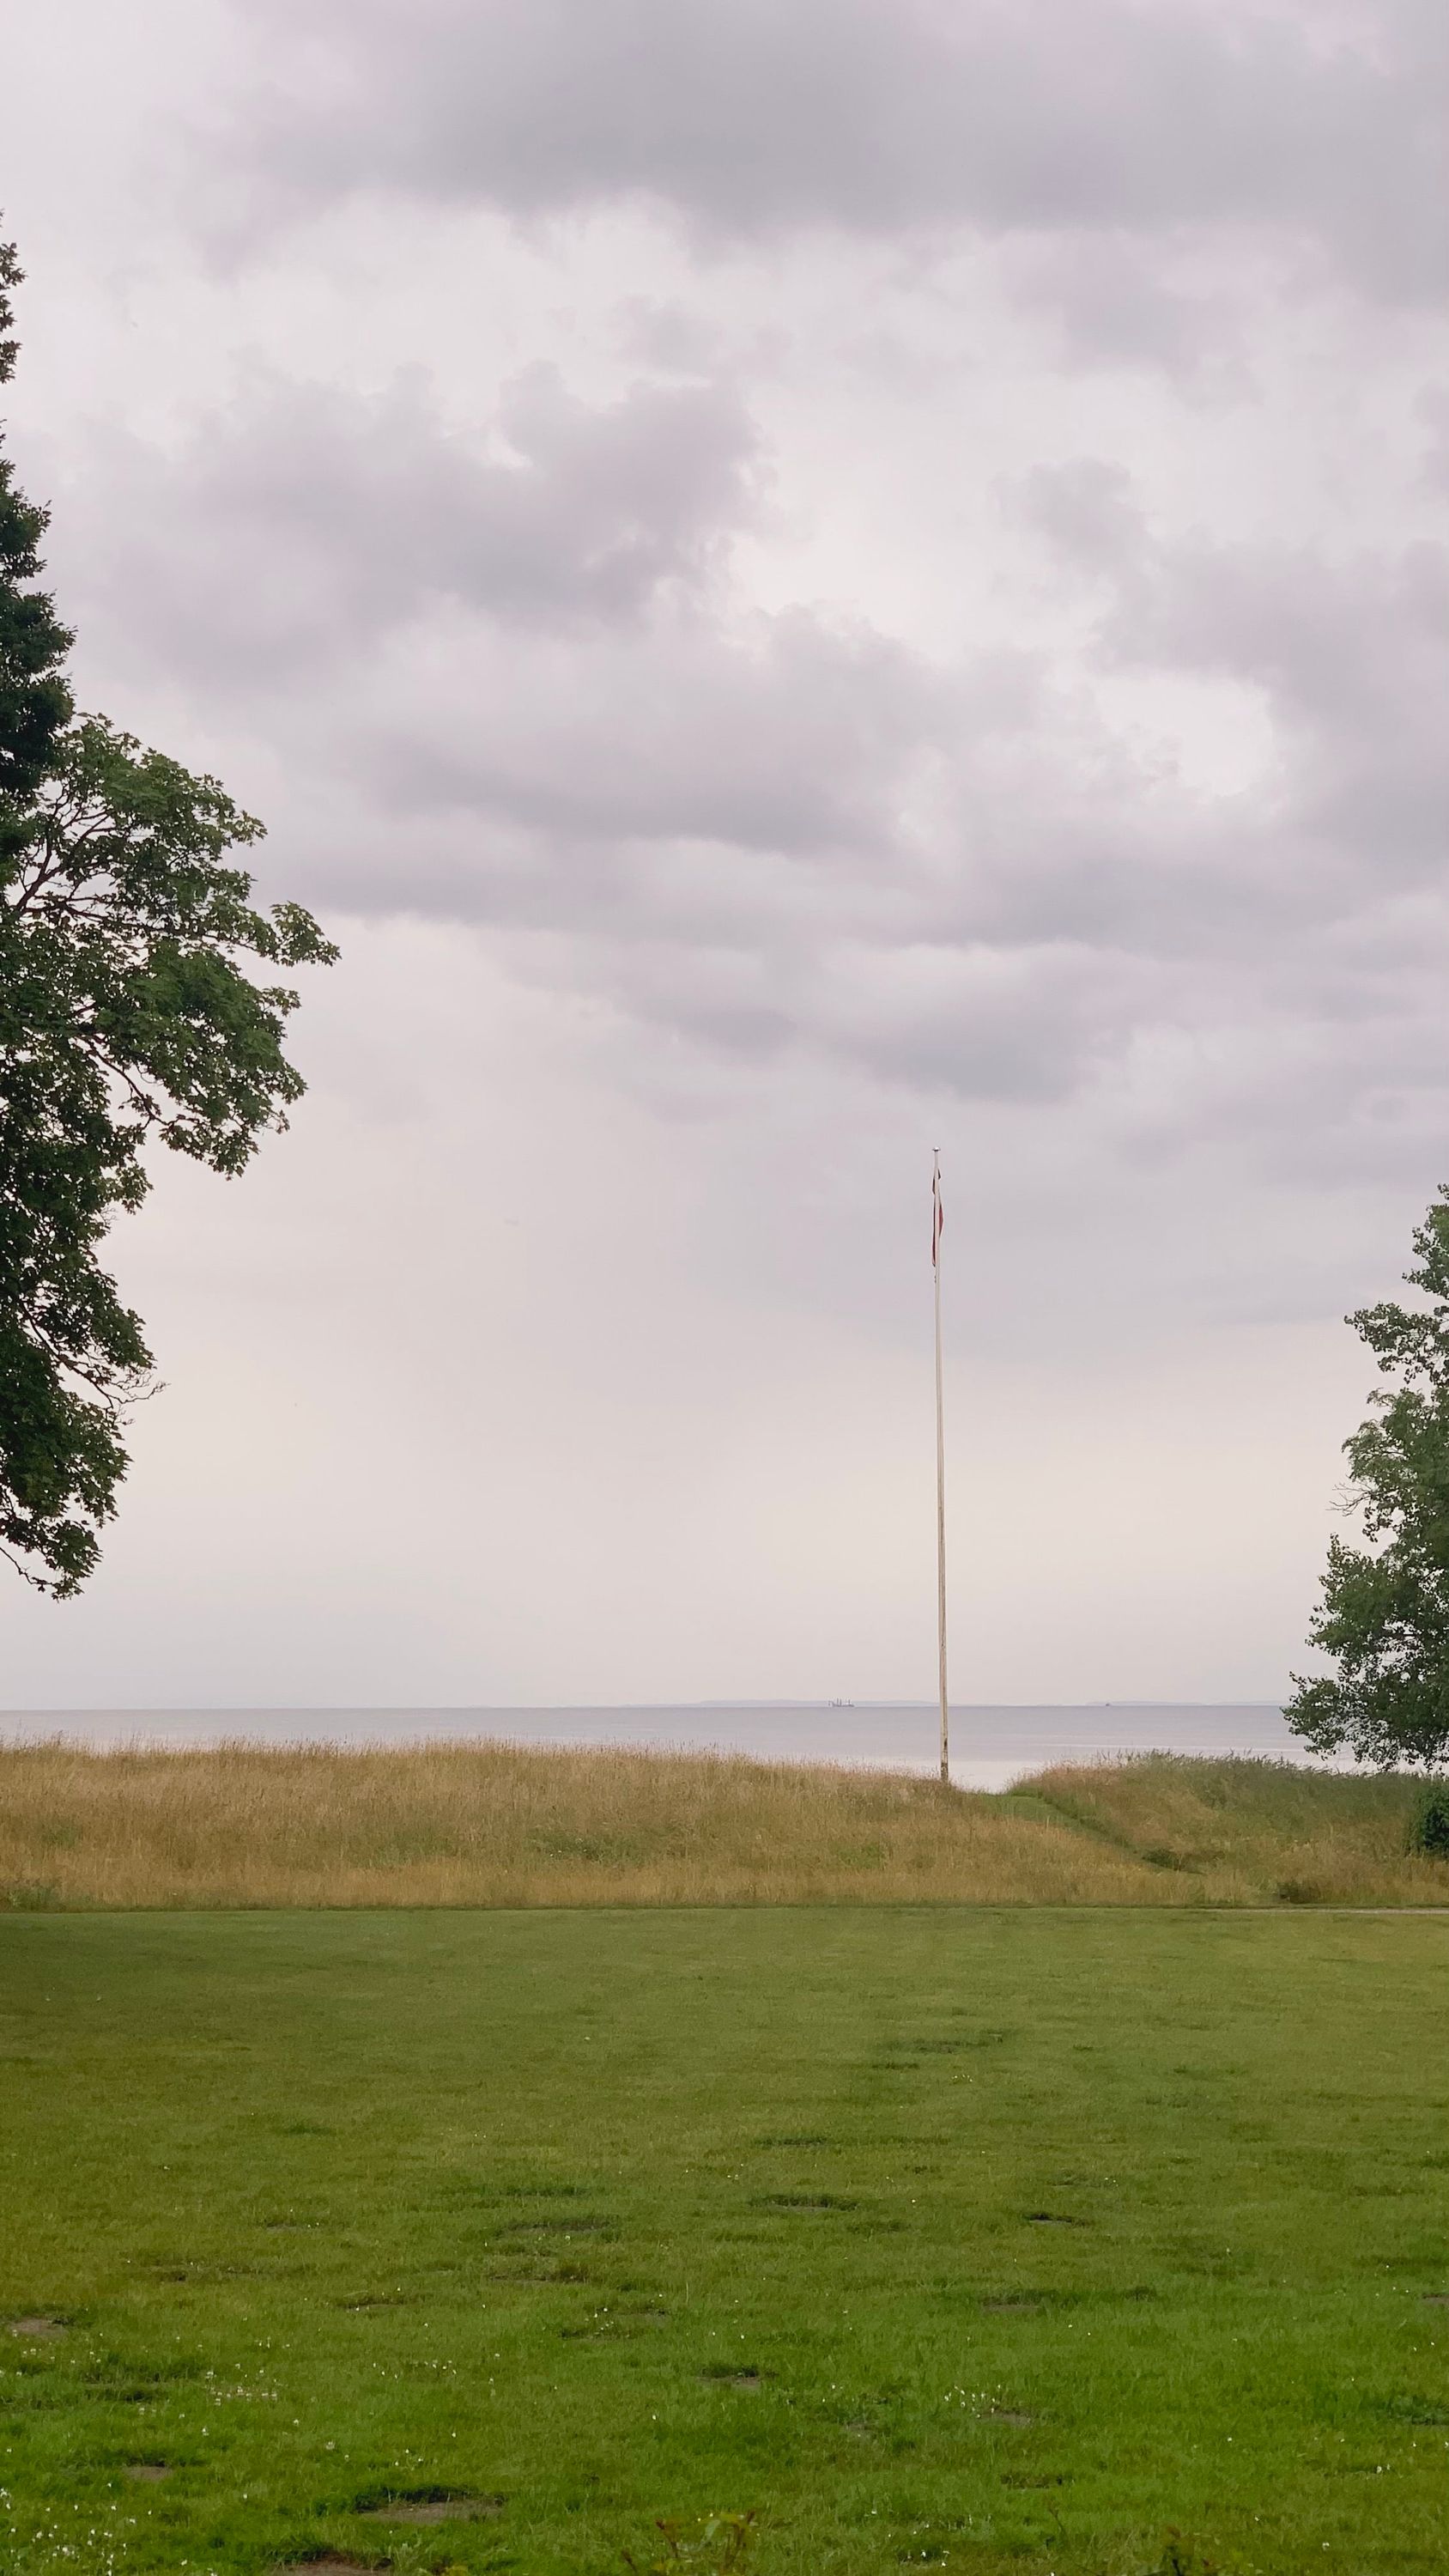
{"x": 330, "y": 2564}
{"x": 433, "y": 2504}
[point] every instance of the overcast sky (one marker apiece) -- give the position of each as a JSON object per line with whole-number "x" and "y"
{"x": 795, "y": 584}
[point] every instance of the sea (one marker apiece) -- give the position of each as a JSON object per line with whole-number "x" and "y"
{"x": 990, "y": 1745}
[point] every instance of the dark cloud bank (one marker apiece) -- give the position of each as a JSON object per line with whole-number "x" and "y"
{"x": 880, "y": 115}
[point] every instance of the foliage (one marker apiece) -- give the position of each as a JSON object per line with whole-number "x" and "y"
{"x": 715, "y": 2546}
{"x": 125, "y": 1016}
{"x": 1384, "y": 1611}
{"x": 1429, "y": 1827}
{"x": 35, "y": 703}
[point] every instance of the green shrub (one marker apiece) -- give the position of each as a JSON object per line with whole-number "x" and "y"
{"x": 714, "y": 2547}
{"x": 1429, "y": 1828}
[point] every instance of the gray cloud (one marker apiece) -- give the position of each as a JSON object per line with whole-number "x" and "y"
{"x": 536, "y": 702}
{"x": 1130, "y": 298}
{"x": 545, "y": 639}
{"x": 879, "y": 115}
{"x": 514, "y": 673}
{"x": 786, "y": 735}
{"x": 1352, "y": 658}
{"x": 305, "y": 522}
{"x": 1089, "y": 513}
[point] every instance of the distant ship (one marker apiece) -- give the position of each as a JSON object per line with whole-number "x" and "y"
{"x": 840, "y": 1703}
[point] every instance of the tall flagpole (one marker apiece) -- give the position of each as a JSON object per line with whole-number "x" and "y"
{"x": 937, "y": 1222}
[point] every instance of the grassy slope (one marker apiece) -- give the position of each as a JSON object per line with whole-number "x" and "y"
{"x": 1245, "y": 1832}
{"x": 979, "y": 2240}
{"x": 498, "y": 1825}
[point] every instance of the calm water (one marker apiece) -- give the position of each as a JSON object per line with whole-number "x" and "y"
{"x": 990, "y": 1746}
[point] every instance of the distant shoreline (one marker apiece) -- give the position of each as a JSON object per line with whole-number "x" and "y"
{"x": 620, "y": 1707}
{"x": 993, "y": 1742}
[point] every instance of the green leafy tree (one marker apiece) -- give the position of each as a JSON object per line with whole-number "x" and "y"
{"x": 127, "y": 1016}
{"x": 1384, "y": 1614}
{"x": 35, "y": 703}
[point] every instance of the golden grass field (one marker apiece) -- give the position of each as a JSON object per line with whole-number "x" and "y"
{"x": 498, "y": 1825}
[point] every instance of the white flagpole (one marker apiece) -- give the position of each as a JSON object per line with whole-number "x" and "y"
{"x": 936, "y": 1222}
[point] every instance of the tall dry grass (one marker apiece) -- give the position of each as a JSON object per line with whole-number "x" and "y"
{"x": 498, "y": 1824}
{"x": 495, "y": 1824}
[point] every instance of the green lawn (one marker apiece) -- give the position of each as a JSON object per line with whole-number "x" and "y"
{"x": 967, "y": 2239}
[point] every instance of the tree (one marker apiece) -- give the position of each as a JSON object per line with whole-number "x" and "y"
{"x": 1384, "y": 1613}
{"x": 126, "y": 1016}
{"x": 35, "y": 703}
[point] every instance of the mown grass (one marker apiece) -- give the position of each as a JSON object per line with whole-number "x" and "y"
{"x": 989, "y": 2241}
{"x": 498, "y": 1824}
